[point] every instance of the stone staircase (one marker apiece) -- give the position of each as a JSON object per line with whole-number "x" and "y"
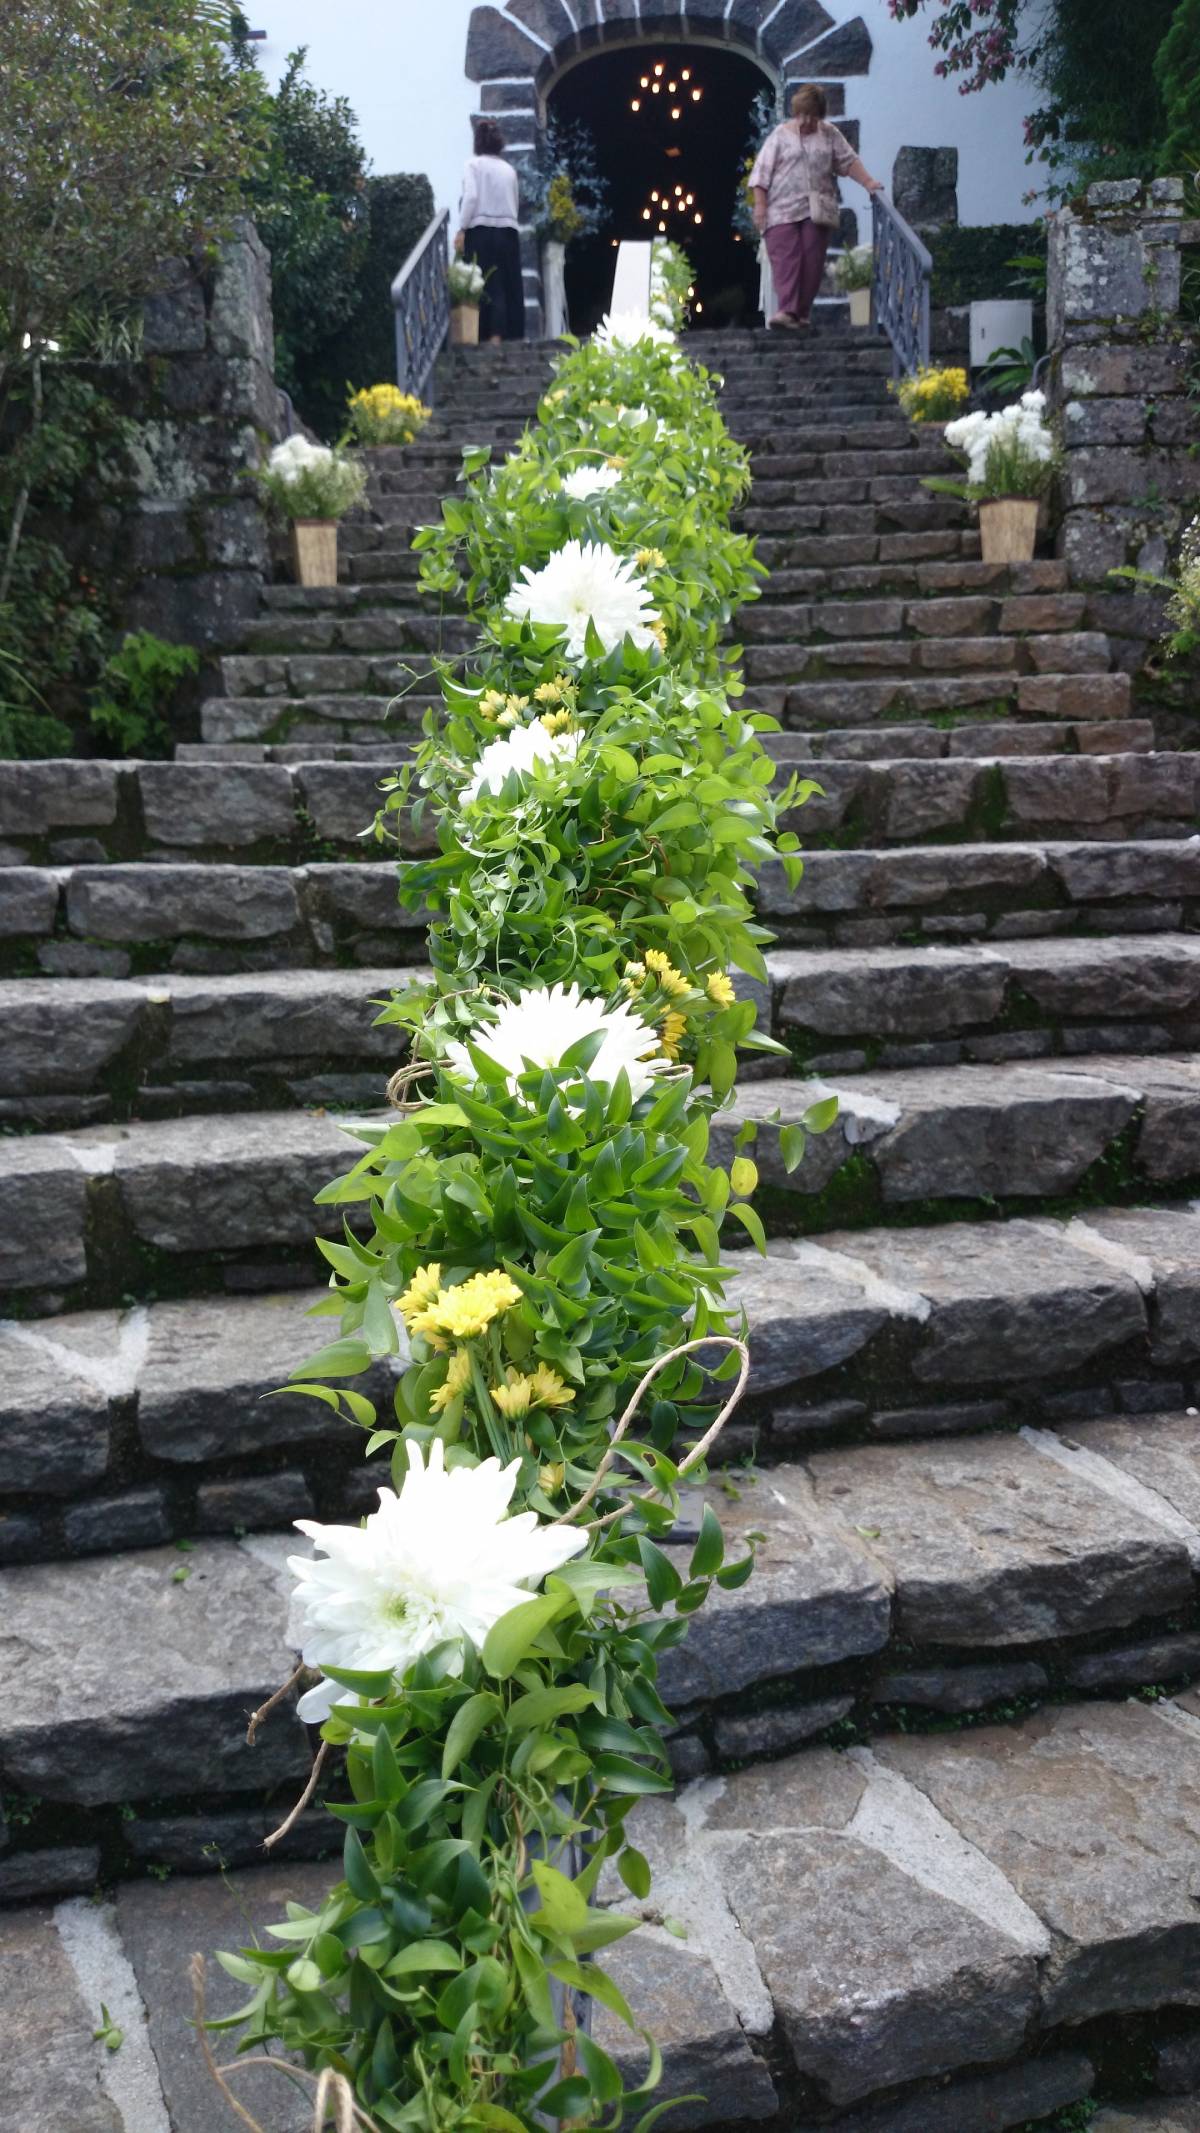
{"x": 934, "y": 1866}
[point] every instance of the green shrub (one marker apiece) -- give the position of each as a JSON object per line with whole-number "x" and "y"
{"x": 400, "y": 209}
{"x": 1177, "y": 72}
{"x": 132, "y": 703}
{"x": 971, "y": 265}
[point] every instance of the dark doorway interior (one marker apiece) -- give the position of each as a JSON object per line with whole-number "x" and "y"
{"x": 669, "y": 121}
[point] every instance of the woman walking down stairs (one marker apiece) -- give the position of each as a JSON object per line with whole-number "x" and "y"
{"x": 933, "y": 1864}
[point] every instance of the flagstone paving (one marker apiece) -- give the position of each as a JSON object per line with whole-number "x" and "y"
{"x": 928, "y": 1869}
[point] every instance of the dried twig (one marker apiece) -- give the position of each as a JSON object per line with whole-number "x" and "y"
{"x": 698, "y": 1451}
{"x": 302, "y": 1802}
{"x": 265, "y": 1708}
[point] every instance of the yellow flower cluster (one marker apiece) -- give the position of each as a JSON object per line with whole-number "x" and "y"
{"x": 650, "y": 559}
{"x": 719, "y": 988}
{"x": 562, "y": 690}
{"x": 555, "y": 398}
{"x": 439, "y": 1315}
{"x": 382, "y": 414}
{"x": 672, "y": 981}
{"x": 933, "y": 395}
{"x": 522, "y": 1390}
{"x": 513, "y": 707}
{"x": 491, "y": 703}
{"x": 673, "y": 1031}
{"x": 457, "y": 1379}
{"x": 556, "y": 721}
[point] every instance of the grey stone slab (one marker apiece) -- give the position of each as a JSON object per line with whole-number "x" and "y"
{"x": 43, "y": 1197}
{"x": 961, "y": 1688}
{"x": 773, "y": 1105}
{"x": 675, "y": 1994}
{"x": 341, "y": 798}
{"x": 1092, "y": 1812}
{"x": 54, "y": 1422}
{"x": 28, "y": 1877}
{"x": 802, "y": 1321}
{"x": 1134, "y": 1666}
{"x": 221, "y": 804}
{"x": 978, "y": 1131}
{"x": 1157, "y": 975}
{"x": 363, "y": 896}
{"x": 1097, "y": 873}
{"x": 62, "y": 1033}
{"x": 156, "y": 902}
{"x": 211, "y": 1362}
{"x": 741, "y": 1737}
{"x": 51, "y": 2065}
{"x": 986, "y": 1541}
{"x": 221, "y": 1183}
{"x": 1007, "y": 1300}
{"x": 162, "y": 1927}
{"x": 289, "y": 1015}
{"x": 891, "y": 991}
{"x": 1168, "y": 1145}
{"x": 139, "y": 1518}
{"x": 875, "y": 1978}
{"x": 815, "y": 1597}
{"x": 36, "y": 797}
{"x": 1161, "y": 1451}
{"x": 1182, "y": 2116}
{"x": 28, "y": 901}
{"x": 155, "y": 1697}
{"x": 1165, "y": 1242}
{"x": 981, "y": 2103}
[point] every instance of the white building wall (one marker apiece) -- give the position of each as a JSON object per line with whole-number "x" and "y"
{"x": 400, "y": 63}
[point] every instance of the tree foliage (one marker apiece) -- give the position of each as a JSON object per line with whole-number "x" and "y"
{"x": 1177, "y": 70}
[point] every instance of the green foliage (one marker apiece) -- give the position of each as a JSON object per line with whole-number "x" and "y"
{"x": 399, "y": 210}
{"x": 1181, "y": 630}
{"x": 854, "y": 269}
{"x": 1103, "y": 115}
{"x": 488, "y": 1787}
{"x": 972, "y": 265}
{"x": 1009, "y": 370}
{"x": 1177, "y": 73}
{"x": 311, "y": 204}
{"x": 565, "y": 195}
{"x": 139, "y": 683}
{"x": 141, "y": 107}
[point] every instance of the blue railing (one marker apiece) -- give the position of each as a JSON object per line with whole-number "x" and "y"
{"x": 421, "y": 302}
{"x": 903, "y": 269}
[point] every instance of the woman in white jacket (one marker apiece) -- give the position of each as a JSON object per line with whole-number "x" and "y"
{"x": 488, "y": 234}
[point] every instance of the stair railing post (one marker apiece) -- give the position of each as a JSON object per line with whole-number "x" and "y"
{"x": 421, "y": 304}
{"x": 901, "y": 287}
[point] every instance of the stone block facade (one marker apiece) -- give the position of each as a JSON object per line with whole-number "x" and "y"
{"x": 181, "y": 535}
{"x": 1127, "y": 359}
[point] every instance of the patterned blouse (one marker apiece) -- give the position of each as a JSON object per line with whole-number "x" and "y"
{"x": 799, "y": 173}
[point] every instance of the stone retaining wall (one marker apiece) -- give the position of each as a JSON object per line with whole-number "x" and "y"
{"x": 1127, "y": 359}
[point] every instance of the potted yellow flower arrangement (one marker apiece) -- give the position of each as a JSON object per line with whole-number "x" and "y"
{"x": 382, "y": 414}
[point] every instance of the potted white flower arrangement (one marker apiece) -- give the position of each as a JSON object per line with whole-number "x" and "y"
{"x": 313, "y": 485}
{"x": 465, "y": 280}
{"x": 853, "y": 275}
{"x": 1010, "y": 460}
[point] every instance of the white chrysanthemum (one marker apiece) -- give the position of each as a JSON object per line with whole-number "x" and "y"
{"x": 440, "y": 1561}
{"x": 583, "y": 482}
{"x": 625, "y": 329}
{"x": 582, "y": 583}
{"x": 541, "y": 1025}
{"x": 296, "y": 456}
{"x": 517, "y": 751}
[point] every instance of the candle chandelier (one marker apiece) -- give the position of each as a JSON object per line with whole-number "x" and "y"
{"x": 665, "y": 94}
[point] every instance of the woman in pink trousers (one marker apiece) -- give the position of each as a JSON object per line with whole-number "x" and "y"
{"x": 796, "y": 203}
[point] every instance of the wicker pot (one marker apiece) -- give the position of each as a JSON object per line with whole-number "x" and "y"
{"x": 1008, "y": 529}
{"x": 464, "y": 326}
{"x": 314, "y": 551}
{"x": 860, "y": 307}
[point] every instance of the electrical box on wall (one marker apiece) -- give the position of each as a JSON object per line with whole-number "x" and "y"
{"x": 1000, "y": 324}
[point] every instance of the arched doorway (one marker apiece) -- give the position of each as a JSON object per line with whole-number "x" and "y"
{"x": 670, "y": 121}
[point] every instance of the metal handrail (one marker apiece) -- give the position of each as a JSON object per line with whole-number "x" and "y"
{"x": 421, "y": 301}
{"x": 903, "y": 270}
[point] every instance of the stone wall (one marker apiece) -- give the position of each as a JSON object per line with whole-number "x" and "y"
{"x": 180, "y": 534}
{"x": 1127, "y": 360}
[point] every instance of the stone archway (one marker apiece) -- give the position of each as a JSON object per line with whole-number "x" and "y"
{"x": 516, "y": 50}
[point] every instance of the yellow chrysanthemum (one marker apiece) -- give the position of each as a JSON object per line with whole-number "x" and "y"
{"x": 548, "y": 692}
{"x": 671, "y": 980}
{"x": 673, "y": 1030}
{"x": 556, "y": 721}
{"x": 635, "y": 976}
{"x": 720, "y": 988}
{"x": 458, "y": 1377}
{"x": 420, "y": 1292}
{"x": 650, "y": 559}
{"x": 466, "y": 1310}
{"x": 491, "y": 702}
{"x": 512, "y": 1398}
{"x": 552, "y": 1477}
{"x": 547, "y": 1389}
{"x": 658, "y": 630}
{"x": 557, "y": 396}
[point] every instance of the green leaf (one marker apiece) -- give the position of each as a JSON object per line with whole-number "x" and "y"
{"x": 750, "y": 1220}
{"x": 564, "y": 1910}
{"x": 709, "y": 1551}
{"x": 791, "y": 1146}
{"x": 634, "y": 1870}
{"x": 541, "y": 1707}
{"x": 465, "y": 1728}
{"x": 663, "y": 1581}
{"x": 509, "y": 1639}
{"x": 621, "y": 1774}
{"x": 423, "y": 1955}
{"x": 819, "y": 1117}
{"x": 358, "y": 1874}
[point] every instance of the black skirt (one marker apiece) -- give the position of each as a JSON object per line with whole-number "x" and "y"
{"x": 498, "y": 252}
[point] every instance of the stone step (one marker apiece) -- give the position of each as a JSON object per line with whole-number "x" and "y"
{"x": 335, "y": 633}
{"x": 1015, "y": 1131}
{"x": 846, "y": 1009}
{"x": 992, "y": 694}
{"x": 172, "y": 912}
{"x": 305, "y": 673}
{"x": 908, "y": 512}
{"x": 907, "y": 580}
{"x": 853, "y": 550}
{"x": 954, "y": 620}
{"x": 1139, "y": 795}
{"x": 125, "y": 1427}
{"x": 994, "y": 657}
{"x": 82, "y": 1050}
{"x": 344, "y": 717}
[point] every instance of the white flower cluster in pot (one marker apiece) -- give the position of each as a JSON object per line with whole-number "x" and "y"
{"x": 312, "y": 481}
{"x": 540, "y": 1025}
{"x": 1021, "y": 429}
{"x": 465, "y": 280}
{"x": 583, "y": 482}
{"x": 517, "y": 752}
{"x": 582, "y": 583}
{"x": 296, "y": 457}
{"x": 440, "y": 1562}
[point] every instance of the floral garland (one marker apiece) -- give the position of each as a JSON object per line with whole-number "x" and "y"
{"x": 539, "y": 1231}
